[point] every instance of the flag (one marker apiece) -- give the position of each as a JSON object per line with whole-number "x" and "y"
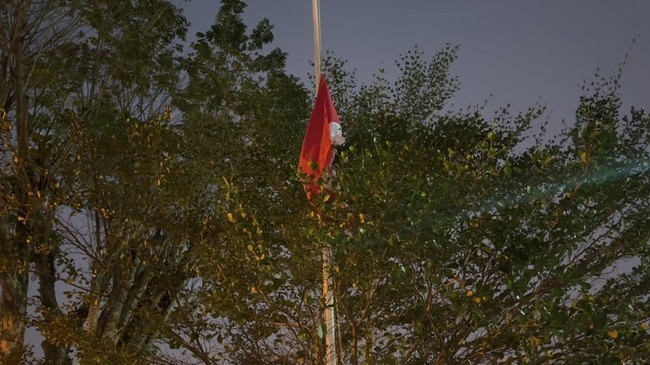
{"x": 323, "y": 132}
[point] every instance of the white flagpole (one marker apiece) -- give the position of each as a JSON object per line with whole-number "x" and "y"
{"x": 330, "y": 321}
{"x": 330, "y": 328}
{"x": 315, "y": 12}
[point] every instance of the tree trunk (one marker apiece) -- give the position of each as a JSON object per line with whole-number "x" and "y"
{"x": 45, "y": 270}
{"x": 14, "y": 279}
{"x": 13, "y": 297}
{"x": 354, "y": 347}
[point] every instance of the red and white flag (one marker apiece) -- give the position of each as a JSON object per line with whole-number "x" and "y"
{"x": 323, "y": 133}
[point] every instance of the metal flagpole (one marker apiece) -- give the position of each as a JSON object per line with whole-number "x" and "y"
{"x": 315, "y": 12}
{"x": 330, "y": 328}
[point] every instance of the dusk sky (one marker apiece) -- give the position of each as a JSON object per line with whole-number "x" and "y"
{"x": 521, "y": 52}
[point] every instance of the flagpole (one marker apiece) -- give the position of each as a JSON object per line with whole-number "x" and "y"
{"x": 330, "y": 328}
{"x": 316, "y": 23}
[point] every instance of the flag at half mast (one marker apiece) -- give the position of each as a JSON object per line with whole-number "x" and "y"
{"x": 323, "y": 133}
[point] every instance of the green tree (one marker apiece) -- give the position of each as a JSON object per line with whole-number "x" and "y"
{"x": 152, "y": 196}
{"x": 457, "y": 237}
{"x": 86, "y": 83}
{"x": 26, "y": 177}
{"x": 113, "y": 179}
{"x": 471, "y": 247}
{"x": 241, "y": 116}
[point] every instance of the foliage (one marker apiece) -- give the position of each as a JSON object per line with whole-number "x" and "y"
{"x": 107, "y": 202}
{"x": 457, "y": 238}
{"x": 457, "y": 244}
{"x": 149, "y": 197}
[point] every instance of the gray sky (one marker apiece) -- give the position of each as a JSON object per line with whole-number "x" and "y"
{"x": 521, "y": 51}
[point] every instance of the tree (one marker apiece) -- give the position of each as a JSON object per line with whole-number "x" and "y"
{"x": 26, "y": 177}
{"x": 476, "y": 249}
{"x": 110, "y": 183}
{"x": 91, "y": 85}
{"x": 240, "y": 111}
{"x": 457, "y": 237}
{"x": 152, "y": 196}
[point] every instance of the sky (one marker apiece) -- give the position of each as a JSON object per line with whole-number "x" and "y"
{"x": 516, "y": 52}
